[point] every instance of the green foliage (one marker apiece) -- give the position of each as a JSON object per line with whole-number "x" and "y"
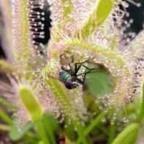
{"x": 128, "y": 135}
{"x": 140, "y": 105}
{"x": 98, "y": 16}
{"x": 45, "y": 125}
{"x": 4, "y": 116}
{"x": 17, "y": 134}
{"x": 61, "y": 95}
{"x": 93, "y": 124}
{"x": 99, "y": 83}
{"x": 31, "y": 103}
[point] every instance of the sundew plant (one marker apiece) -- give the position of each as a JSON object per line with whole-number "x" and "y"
{"x": 72, "y": 72}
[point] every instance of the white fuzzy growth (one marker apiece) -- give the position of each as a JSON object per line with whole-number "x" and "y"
{"x": 81, "y": 11}
{"x": 15, "y": 24}
{"x": 21, "y": 40}
{"x": 56, "y": 11}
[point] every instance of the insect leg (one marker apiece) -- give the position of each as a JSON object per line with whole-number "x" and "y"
{"x": 78, "y": 66}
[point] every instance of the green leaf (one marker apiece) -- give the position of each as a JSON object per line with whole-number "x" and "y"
{"x": 41, "y": 142}
{"x": 61, "y": 94}
{"x": 128, "y": 135}
{"x": 99, "y": 82}
{"x": 141, "y": 105}
{"x": 31, "y": 103}
{"x": 111, "y": 133}
{"x": 93, "y": 124}
{"x": 115, "y": 57}
{"x": 22, "y": 32}
{"x": 5, "y": 117}
{"x": 70, "y": 132}
{"x": 51, "y": 127}
{"x": 35, "y": 110}
{"x": 100, "y": 13}
{"x": 17, "y": 134}
{"x": 47, "y": 127}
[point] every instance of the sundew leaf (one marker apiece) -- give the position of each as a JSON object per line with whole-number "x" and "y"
{"x": 35, "y": 111}
{"x": 70, "y": 113}
{"x": 128, "y": 135}
{"x": 98, "y": 16}
{"x": 99, "y": 83}
{"x": 21, "y": 35}
{"x": 62, "y": 96}
{"x": 31, "y": 103}
{"x": 98, "y": 50}
{"x": 112, "y": 60}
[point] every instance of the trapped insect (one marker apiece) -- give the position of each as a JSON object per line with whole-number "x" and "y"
{"x": 73, "y": 74}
